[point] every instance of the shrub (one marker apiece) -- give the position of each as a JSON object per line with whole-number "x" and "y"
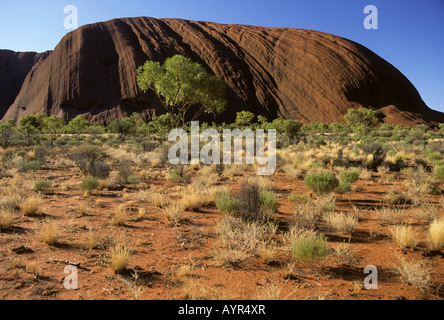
{"x": 175, "y": 176}
{"x": 32, "y": 268}
{"x": 268, "y": 200}
{"x": 179, "y": 174}
{"x": 133, "y": 180}
{"x": 434, "y": 156}
{"x": 89, "y": 184}
{"x": 40, "y": 153}
{"x": 298, "y": 198}
{"x": 414, "y": 273}
{"x": 247, "y": 236}
{"x": 309, "y": 247}
{"x": 30, "y": 165}
{"x": 124, "y": 172}
{"x": 99, "y": 169}
{"x": 344, "y": 186}
{"x": 89, "y": 159}
{"x": 351, "y": 175}
{"x": 226, "y": 203}
{"x": 393, "y": 215}
{"x": 193, "y": 199}
{"x": 42, "y": 185}
{"x": 321, "y": 183}
{"x": 256, "y": 204}
{"x": 394, "y": 198}
{"x": 439, "y": 173}
{"x": 307, "y": 214}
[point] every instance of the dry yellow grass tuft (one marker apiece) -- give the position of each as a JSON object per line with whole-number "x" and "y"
{"x": 6, "y": 219}
{"x": 30, "y": 207}
{"x": 414, "y": 273}
{"x": 174, "y": 214}
{"x": 341, "y": 222}
{"x": 120, "y": 216}
{"x": 119, "y": 257}
{"x": 404, "y": 236}
{"x": 267, "y": 253}
{"x": 49, "y": 232}
{"x": 92, "y": 241}
{"x": 435, "y": 241}
{"x": 32, "y": 268}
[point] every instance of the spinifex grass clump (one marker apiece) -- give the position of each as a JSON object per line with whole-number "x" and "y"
{"x": 118, "y": 258}
{"x": 6, "y": 219}
{"x": 435, "y": 240}
{"x": 49, "y": 232}
{"x": 309, "y": 247}
{"x": 321, "y": 182}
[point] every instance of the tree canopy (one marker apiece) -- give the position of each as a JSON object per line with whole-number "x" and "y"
{"x": 183, "y": 85}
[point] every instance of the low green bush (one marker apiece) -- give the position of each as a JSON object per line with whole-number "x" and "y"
{"x": 268, "y": 200}
{"x": 321, "y": 183}
{"x": 226, "y": 203}
{"x": 298, "y": 198}
{"x": 42, "y": 185}
{"x": 350, "y": 175}
{"x": 439, "y": 172}
{"x": 310, "y": 247}
{"x": 89, "y": 184}
{"x": 344, "y": 186}
{"x": 30, "y": 165}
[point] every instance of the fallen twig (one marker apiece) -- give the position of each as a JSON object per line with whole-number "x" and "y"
{"x": 66, "y": 261}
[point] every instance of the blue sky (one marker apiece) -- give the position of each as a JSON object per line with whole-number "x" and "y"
{"x": 410, "y": 34}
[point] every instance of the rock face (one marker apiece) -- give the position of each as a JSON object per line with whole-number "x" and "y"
{"x": 276, "y": 72}
{"x": 14, "y": 67}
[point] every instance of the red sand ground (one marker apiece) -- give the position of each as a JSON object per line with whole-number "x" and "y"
{"x": 159, "y": 249}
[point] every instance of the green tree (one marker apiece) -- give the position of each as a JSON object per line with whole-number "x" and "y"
{"x": 363, "y": 116}
{"x": 78, "y": 125}
{"x": 183, "y": 85}
{"x": 7, "y": 130}
{"x": 123, "y": 127}
{"x": 262, "y": 121}
{"x": 287, "y": 126}
{"x": 53, "y": 124}
{"x": 292, "y": 128}
{"x": 160, "y": 126}
{"x": 244, "y": 118}
{"x": 32, "y": 125}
